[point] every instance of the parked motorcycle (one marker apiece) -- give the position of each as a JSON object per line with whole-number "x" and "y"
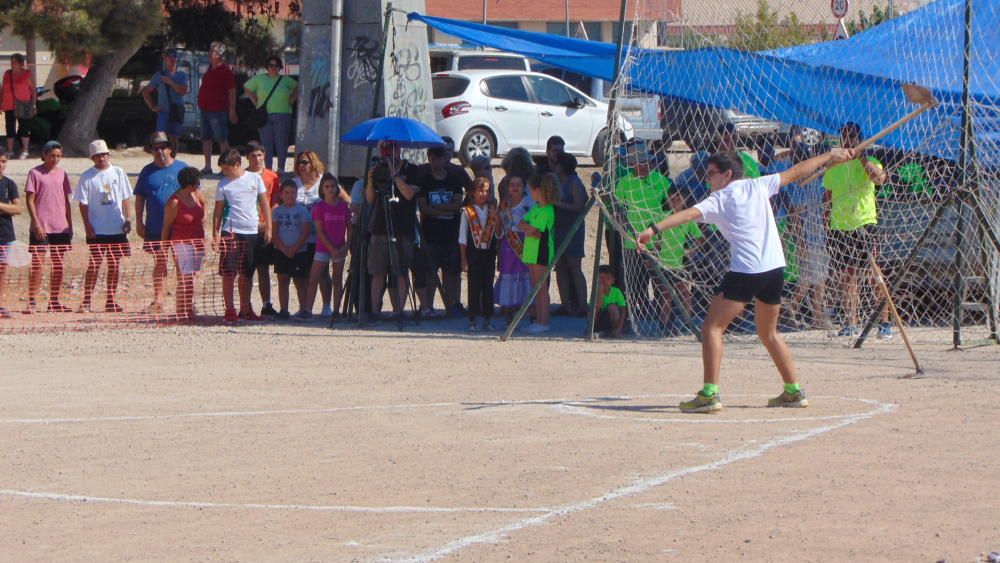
{"x": 51, "y": 112}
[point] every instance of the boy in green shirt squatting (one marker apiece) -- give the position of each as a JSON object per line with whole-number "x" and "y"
{"x": 611, "y": 307}
{"x": 741, "y": 209}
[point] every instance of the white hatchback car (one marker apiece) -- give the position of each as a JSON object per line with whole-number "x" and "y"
{"x": 488, "y": 112}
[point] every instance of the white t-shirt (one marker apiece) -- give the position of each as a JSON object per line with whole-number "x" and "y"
{"x": 743, "y": 214}
{"x": 104, "y": 192}
{"x": 241, "y": 212}
{"x": 464, "y": 238}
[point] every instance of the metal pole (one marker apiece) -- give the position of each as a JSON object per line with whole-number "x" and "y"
{"x": 594, "y": 286}
{"x": 336, "y": 48}
{"x": 567, "y": 19}
{"x": 484, "y": 11}
{"x": 967, "y": 181}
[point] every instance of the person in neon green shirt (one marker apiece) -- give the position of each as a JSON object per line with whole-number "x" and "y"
{"x": 612, "y": 309}
{"x": 850, "y": 189}
{"x": 673, "y": 245}
{"x": 644, "y": 192}
{"x": 275, "y": 134}
{"x": 538, "y": 225}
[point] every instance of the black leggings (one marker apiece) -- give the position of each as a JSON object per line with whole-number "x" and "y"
{"x": 11, "y": 121}
{"x": 482, "y": 267}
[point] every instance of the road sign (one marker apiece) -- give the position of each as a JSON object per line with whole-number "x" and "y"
{"x": 839, "y": 8}
{"x": 841, "y": 30}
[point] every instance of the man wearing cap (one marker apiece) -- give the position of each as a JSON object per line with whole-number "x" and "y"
{"x": 644, "y": 191}
{"x": 217, "y": 102}
{"x": 171, "y": 85}
{"x": 156, "y": 183}
{"x": 102, "y": 192}
{"x": 47, "y": 192}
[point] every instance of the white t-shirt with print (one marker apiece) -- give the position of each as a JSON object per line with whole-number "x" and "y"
{"x": 104, "y": 192}
{"x": 743, "y": 214}
{"x": 241, "y": 212}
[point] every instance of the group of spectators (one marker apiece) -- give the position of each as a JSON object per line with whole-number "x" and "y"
{"x": 443, "y": 220}
{"x": 271, "y": 92}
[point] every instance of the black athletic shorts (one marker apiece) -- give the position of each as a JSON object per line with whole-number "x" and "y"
{"x": 766, "y": 287}
{"x": 109, "y": 246}
{"x": 850, "y": 249}
{"x": 296, "y": 267}
{"x": 236, "y": 254}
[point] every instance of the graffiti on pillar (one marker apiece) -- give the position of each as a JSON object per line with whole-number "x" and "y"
{"x": 408, "y": 98}
{"x": 319, "y": 79}
{"x": 363, "y": 66}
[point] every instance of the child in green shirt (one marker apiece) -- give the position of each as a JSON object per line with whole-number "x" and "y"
{"x": 538, "y": 225}
{"x": 612, "y": 309}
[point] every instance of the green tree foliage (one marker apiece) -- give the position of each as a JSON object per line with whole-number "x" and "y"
{"x": 865, "y": 21}
{"x": 764, "y": 29}
{"x": 249, "y": 39}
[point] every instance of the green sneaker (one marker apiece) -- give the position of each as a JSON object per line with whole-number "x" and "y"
{"x": 795, "y": 401}
{"x": 701, "y": 403}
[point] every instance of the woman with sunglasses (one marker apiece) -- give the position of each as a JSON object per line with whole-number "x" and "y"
{"x": 308, "y": 173}
{"x": 279, "y": 92}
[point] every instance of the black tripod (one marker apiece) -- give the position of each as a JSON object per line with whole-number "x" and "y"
{"x": 385, "y": 191}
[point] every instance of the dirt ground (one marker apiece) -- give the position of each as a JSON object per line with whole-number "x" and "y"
{"x": 299, "y": 443}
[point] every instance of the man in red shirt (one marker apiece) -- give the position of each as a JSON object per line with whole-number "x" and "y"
{"x": 217, "y": 102}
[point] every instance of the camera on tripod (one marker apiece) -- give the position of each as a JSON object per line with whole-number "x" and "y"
{"x": 382, "y": 179}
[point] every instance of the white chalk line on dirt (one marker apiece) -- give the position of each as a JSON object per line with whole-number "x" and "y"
{"x": 497, "y": 535}
{"x": 565, "y": 405}
{"x": 314, "y": 507}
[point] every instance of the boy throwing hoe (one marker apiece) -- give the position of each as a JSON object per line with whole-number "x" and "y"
{"x": 740, "y": 209}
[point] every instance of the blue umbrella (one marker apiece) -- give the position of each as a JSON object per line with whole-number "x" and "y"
{"x": 406, "y": 132}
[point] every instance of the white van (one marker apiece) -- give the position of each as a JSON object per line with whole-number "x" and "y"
{"x": 450, "y": 58}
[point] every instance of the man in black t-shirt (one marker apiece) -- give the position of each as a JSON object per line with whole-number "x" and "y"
{"x": 403, "y": 212}
{"x": 442, "y": 191}
{"x": 10, "y": 205}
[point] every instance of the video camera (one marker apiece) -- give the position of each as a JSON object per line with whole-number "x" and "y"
{"x": 382, "y": 178}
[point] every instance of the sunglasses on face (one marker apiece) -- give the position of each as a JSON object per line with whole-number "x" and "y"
{"x": 272, "y": 65}
{"x": 303, "y": 163}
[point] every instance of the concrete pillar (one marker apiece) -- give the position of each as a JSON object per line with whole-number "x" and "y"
{"x": 406, "y": 80}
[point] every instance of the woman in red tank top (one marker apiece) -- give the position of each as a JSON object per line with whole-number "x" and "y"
{"x": 184, "y": 227}
{"x": 17, "y": 87}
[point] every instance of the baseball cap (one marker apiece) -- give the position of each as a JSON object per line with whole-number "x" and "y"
{"x": 637, "y": 152}
{"x": 98, "y": 147}
{"x": 158, "y": 137}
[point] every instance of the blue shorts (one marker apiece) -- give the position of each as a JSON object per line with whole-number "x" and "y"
{"x": 215, "y": 126}
{"x": 164, "y": 124}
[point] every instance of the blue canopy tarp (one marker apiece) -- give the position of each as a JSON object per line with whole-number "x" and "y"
{"x": 821, "y": 85}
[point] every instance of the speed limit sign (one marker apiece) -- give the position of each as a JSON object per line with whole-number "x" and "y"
{"x": 839, "y": 8}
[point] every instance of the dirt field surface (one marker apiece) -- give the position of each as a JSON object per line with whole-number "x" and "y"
{"x": 297, "y": 443}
